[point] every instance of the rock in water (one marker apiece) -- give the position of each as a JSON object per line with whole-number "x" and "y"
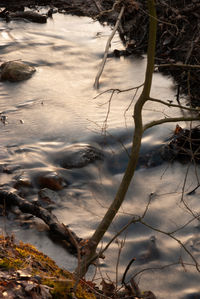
{"x": 15, "y": 71}
{"x": 51, "y": 181}
{"x": 77, "y": 156}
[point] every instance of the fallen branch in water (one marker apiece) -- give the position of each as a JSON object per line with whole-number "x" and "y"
{"x": 96, "y": 83}
{"x": 61, "y": 230}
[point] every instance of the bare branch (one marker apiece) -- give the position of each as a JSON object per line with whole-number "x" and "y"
{"x": 126, "y": 270}
{"x": 179, "y": 65}
{"x": 174, "y": 105}
{"x": 183, "y": 226}
{"x": 117, "y": 90}
{"x": 161, "y": 268}
{"x": 147, "y": 206}
{"x": 133, "y": 220}
{"x": 107, "y": 114}
{"x": 98, "y": 5}
{"x": 169, "y": 120}
{"x": 133, "y": 98}
{"x": 176, "y": 239}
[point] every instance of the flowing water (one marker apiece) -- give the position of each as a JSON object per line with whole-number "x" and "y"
{"x": 56, "y": 108}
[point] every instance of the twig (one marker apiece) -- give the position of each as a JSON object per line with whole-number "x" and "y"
{"x": 160, "y": 268}
{"x": 174, "y": 105}
{"x": 131, "y": 102}
{"x": 147, "y": 206}
{"x": 193, "y": 191}
{"x": 158, "y": 20}
{"x": 113, "y": 137}
{"x": 184, "y": 182}
{"x": 98, "y": 5}
{"x": 121, "y": 245}
{"x": 183, "y": 226}
{"x": 126, "y": 270}
{"x": 134, "y": 219}
{"x": 178, "y": 94}
{"x": 117, "y": 90}
{"x": 107, "y": 11}
{"x": 174, "y": 238}
{"x": 178, "y": 65}
{"x": 107, "y": 114}
{"x": 195, "y": 215}
{"x": 96, "y": 83}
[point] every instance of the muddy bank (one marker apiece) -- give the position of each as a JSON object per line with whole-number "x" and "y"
{"x": 177, "y": 38}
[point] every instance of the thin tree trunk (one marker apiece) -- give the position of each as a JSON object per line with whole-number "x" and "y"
{"x": 136, "y": 144}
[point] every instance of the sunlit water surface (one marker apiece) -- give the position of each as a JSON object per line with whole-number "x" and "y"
{"x": 55, "y": 108}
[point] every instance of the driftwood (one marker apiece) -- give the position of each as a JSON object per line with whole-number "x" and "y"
{"x": 62, "y": 231}
{"x": 96, "y": 83}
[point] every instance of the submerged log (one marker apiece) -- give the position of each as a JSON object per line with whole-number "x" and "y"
{"x": 29, "y": 15}
{"x": 61, "y": 230}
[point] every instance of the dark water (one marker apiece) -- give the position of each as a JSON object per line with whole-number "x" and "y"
{"x": 56, "y": 108}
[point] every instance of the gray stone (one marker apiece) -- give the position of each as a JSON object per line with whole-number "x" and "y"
{"x": 77, "y": 156}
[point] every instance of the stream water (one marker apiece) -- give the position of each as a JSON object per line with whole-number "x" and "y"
{"x": 56, "y": 108}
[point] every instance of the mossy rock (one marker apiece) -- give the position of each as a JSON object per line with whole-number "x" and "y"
{"x": 33, "y": 273}
{"x": 15, "y": 71}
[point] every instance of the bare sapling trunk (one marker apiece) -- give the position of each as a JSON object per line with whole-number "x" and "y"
{"x": 136, "y": 144}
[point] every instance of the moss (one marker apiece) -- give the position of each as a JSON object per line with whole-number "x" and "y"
{"x": 7, "y": 263}
{"x": 64, "y": 289}
{"x": 22, "y": 256}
